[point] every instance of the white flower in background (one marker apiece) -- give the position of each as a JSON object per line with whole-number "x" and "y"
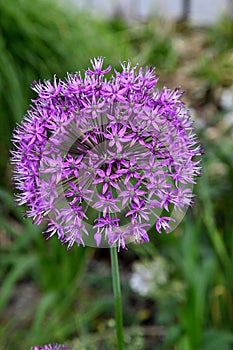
{"x": 226, "y": 100}
{"x": 228, "y": 119}
{"x": 148, "y": 277}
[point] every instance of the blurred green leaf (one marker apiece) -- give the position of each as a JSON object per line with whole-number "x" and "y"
{"x": 215, "y": 340}
{"x": 23, "y": 266}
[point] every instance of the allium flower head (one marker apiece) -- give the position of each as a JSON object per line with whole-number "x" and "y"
{"x": 104, "y": 160}
{"x": 50, "y": 347}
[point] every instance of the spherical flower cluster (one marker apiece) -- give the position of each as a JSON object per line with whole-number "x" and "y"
{"x": 50, "y": 347}
{"x": 105, "y": 159}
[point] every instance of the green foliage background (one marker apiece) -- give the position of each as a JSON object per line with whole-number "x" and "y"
{"x": 37, "y": 40}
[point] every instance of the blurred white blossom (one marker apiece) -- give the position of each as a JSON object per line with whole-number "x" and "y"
{"x": 155, "y": 279}
{"x": 226, "y": 100}
{"x": 148, "y": 277}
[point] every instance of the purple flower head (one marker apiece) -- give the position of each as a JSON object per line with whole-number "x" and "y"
{"x": 102, "y": 160}
{"x": 50, "y": 347}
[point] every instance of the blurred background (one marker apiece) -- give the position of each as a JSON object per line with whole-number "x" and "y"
{"x": 177, "y": 289}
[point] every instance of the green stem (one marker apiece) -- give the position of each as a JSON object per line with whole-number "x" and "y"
{"x": 117, "y": 297}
